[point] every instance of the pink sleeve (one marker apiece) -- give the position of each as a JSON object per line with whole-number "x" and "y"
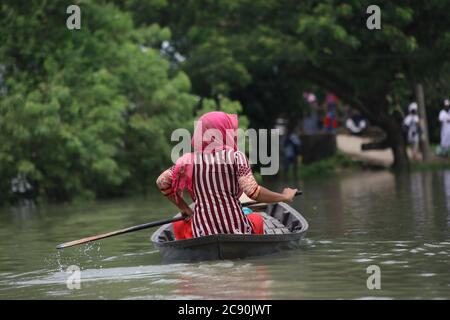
{"x": 245, "y": 176}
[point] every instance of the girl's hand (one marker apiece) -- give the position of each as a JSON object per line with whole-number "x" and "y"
{"x": 187, "y": 213}
{"x": 289, "y": 194}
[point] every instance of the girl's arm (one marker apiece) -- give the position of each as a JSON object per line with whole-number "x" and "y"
{"x": 182, "y": 205}
{"x": 164, "y": 183}
{"x": 265, "y": 195}
{"x": 248, "y": 184}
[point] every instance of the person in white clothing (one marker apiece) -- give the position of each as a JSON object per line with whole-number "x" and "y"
{"x": 412, "y": 127}
{"x": 444, "y": 118}
{"x": 356, "y": 124}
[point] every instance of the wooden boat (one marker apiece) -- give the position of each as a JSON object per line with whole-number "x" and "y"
{"x": 284, "y": 228}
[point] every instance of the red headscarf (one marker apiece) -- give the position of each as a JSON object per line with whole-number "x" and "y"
{"x": 214, "y": 131}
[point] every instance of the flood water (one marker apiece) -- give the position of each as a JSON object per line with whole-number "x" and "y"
{"x": 401, "y": 223}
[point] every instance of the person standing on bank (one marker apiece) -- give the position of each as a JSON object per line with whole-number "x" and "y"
{"x": 216, "y": 174}
{"x": 444, "y": 119}
{"x": 330, "y": 120}
{"x": 412, "y": 127}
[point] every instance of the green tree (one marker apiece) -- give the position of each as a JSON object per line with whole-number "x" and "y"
{"x": 263, "y": 52}
{"x": 85, "y": 112}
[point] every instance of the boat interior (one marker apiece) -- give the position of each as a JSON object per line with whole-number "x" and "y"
{"x": 278, "y": 219}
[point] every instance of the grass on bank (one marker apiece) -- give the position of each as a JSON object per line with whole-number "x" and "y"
{"x": 329, "y": 166}
{"x": 441, "y": 164}
{"x": 342, "y": 162}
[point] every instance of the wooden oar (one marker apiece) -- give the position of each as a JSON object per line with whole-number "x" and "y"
{"x": 117, "y": 232}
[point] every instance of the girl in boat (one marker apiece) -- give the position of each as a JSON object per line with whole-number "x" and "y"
{"x": 216, "y": 174}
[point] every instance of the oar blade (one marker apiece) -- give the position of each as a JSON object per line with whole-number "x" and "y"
{"x": 67, "y": 244}
{"x": 77, "y": 242}
{"x": 92, "y": 238}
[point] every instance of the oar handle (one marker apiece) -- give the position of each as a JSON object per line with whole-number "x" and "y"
{"x": 118, "y": 232}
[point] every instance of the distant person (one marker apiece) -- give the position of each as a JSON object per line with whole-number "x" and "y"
{"x": 356, "y": 124}
{"x": 22, "y": 188}
{"x": 412, "y": 126}
{"x": 310, "y": 121}
{"x": 330, "y": 122}
{"x": 444, "y": 118}
{"x": 291, "y": 150}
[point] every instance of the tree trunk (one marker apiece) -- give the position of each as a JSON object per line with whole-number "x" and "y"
{"x": 396, "y": 141}
{"x": 424, "y": 141}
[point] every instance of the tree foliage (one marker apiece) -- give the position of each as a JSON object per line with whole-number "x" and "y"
{"x": 86, "y": 112}
{"x": 274, "y": 49}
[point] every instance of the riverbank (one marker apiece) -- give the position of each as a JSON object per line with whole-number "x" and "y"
{"x": 337, "y": 164}
{"x": 351, "y": 146}
{"x": 434, "y": 164}
{"x": 342, "y": 163}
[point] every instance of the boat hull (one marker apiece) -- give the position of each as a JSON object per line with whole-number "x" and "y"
{"x": 235, "y": 246}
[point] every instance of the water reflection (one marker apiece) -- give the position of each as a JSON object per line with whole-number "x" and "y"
{"x": 421, "y": 184}
{"x": 365, "y": 195}
{"x": 446, "y": 175}
{"x": 226, "y": 281}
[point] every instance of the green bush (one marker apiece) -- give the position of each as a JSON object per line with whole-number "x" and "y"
{"x": 328, "y": 166}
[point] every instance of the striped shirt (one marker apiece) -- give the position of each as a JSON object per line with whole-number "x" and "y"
{"x": 217, "y": 185}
